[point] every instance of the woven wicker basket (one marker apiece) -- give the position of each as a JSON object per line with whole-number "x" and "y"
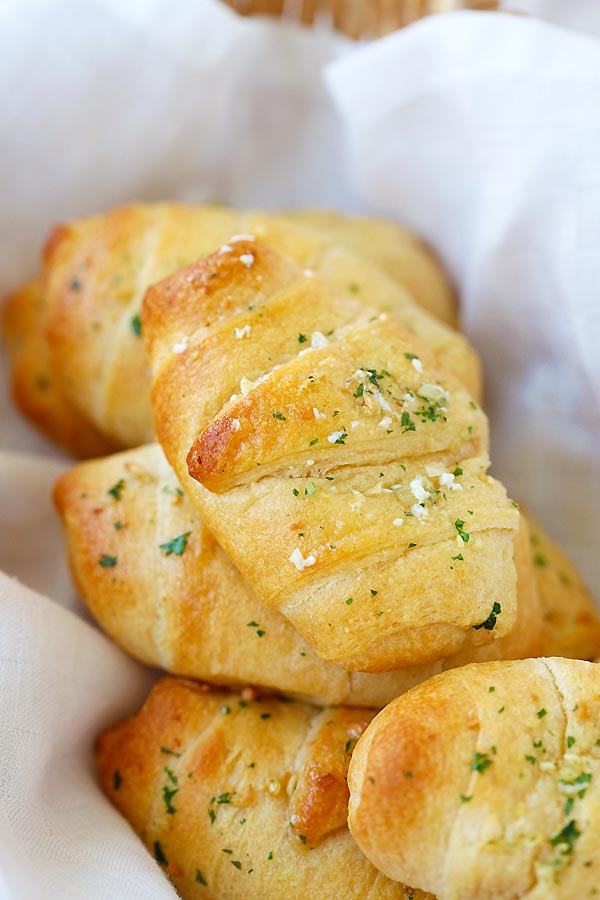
{"x": 358, "y": 19}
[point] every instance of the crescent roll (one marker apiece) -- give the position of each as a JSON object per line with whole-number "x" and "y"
{"x": 190, "y": 612}
{"x": 34, "y": 384}
{"x": 571, "y": 624}
{"x": 97, "y": 269}
{"x": 241, "y": 796}
{"x": 340, "y": 467}
{"x": 484, "y": 783}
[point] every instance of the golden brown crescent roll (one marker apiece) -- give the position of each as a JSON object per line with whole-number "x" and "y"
{"x": 34, "y": 384}
{"x": 189, "y": 610}
{"x": 484, "y": 783}
{"x": 340, "y": 467}
{"x": 571, "y": 622}
{"x": 397, "y": 251}
{"x": 97, "y": 269}
{"x": 241, "y": 796}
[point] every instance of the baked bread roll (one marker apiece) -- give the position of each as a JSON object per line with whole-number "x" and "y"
{"x": 571, "y": 622}
{"x": 33, "y": 381}
{"x": 241, "y": 796}
{"x": 190, "y": 612}
{"x": 340, "y": 467}
{"x": 484, "y": 783}
{"x": 96, "y": 270}
{"x": 396, "y": 250}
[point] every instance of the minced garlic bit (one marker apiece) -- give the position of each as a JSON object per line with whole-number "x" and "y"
{"x": 246, "y": 385}
{"x": 247, "y": 259}
{"x": 242, "y": 332}
{"x": 226, "y": 248}
{"x": 181, "y": 345}
{"x": 309, "y": 273}
{"x": 241, "y": 237}
{"x": 418, "y": 490}
{"x": 398, "y": 522}
{"x": 318, "y": 341}
{"x": 317, "y": 414}
{"x": 435, "y": 393}
{"x": 310, "y": 462}
{"x": 385, "y": 422}
{"x": 447, "y": 481}
{"x": 334, "y": 438}
{"x": 300, "y": 562}
{"x": 417, "y": 364}
{"x": 235, "y": 425}
{"x": 419, "y": 512}
{"x": 355, "y": 423}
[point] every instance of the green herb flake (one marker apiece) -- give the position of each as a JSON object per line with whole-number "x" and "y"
{"x": 295, "y": 492}
{"x": 407, "y": 423}
{"x": 136, "y": 325}
{"x": 118, "y": 526}
{"x": 225, "y": 710}
{"x": 411, "y": 545}
{"x": 212, "y": 815}
{"x": 531, "y": 759}
{"x": 200, "y": 878}
{"x": 540, "y": 560}
{"x": 107, "y": 562}
{"x": 279, "y": 416}
{"x": 566, "y": 837}
{"x": 490, "y": 622}
{"x": 168, "y": 752}
{"x": 310, "y": 489}
{"x": 313, "y": 442}
{"x": 117, "y": 489}
{"x": 270, "y": 856}
{"x": 373, "y": 593}
{"x": 570, "y": 741}
{"x": 341, "y": 439}
{"x": 458, "y": 471}
{"x": 168, "y": 794}
{"x": 541, "y": 713}
{"x": 466, "y": 798}
{"x": 302, "y": 339}
{"x": 348, "y": 601}
{"x": 159, "y": 854}
{"x": 458, "y": 524}
{"x": 481, "y": 762}
{"x": 458, "y": 556}
{"x": 177, "y": 545}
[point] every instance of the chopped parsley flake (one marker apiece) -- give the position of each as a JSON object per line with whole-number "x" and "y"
{"x": 458, "y": 471}
{"x": 136, "y": 325}
{"x": 212, "y": 816}
{"x": 407, "y": 423}
{"x": 302, "y": 339}
{"x": 168, "y": 752}
{"x": 458, "y": 524}
{"x": 481, "y": 762}
{"x": 490, "y": 622}
{"x": 348, "y": 601}
{"x": 117, "y": 489}
{"x": 541, "y": 713}
{"x": 279, "y": 415}
{"x": 159, "y": 854}
{"x": 313, "y": 442}
{"x": 236, "y": 863}
{"x": 570, "y": 741}
{"x": 465, "y": 799}
{"x": 177, "y": 545}
{"x": 118, "y": 526}
{"x": 107, "y": 562}
{"x": 540, "y": 560}
{"x": 200, "y": 878}
{"x": 225, "y": 710}
{"x": 373, "y": 593}
{"x": 566, "y": 837}
{"x": 168, "y": 794}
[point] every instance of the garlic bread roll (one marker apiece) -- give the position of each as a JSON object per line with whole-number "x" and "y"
{"x": 339, "y": 465}
{"x": 97, "y": 269}
{"x": 241, "y": 796}
{"x": 484, "y": 783}
{"x": 155, "y": 580}
{"x": 34, "y": 384}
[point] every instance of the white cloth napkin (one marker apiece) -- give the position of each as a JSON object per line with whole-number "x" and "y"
{"x": 479, "y": 130}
